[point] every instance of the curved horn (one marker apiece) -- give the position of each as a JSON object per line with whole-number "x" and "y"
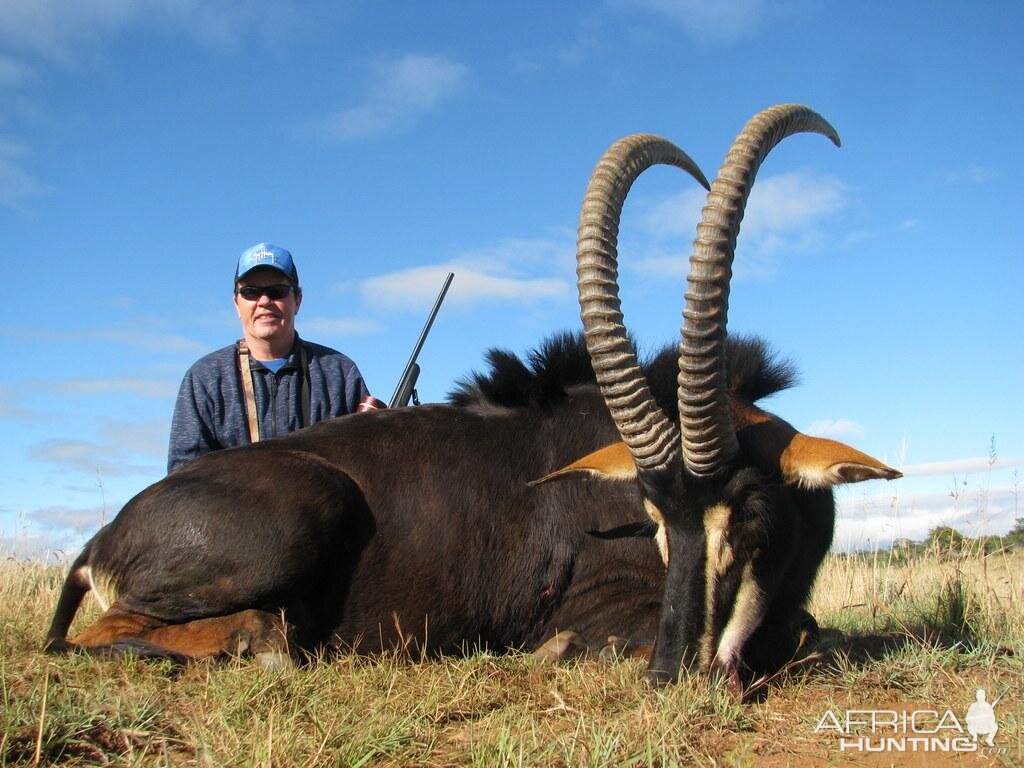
{"x": 709, "y": 440}
{"x": 652, "y": 439}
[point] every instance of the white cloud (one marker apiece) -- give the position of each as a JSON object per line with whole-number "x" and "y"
{"x": 38, "y": 34}
{"x": 159, "y": 389}
{"x": 791, "y": 203}
{"x": 981, "y": 498}
{"x": 38, "y": 547}
{"x": 962, "y": 466}
{"x": 585, "y": 44}
{"x": 13, "y": 73}
{"x": 79, "y": 520}
{"x": 784, "y": 214}
{"x": 133, "y": 450}
{"x": 17, "y": 186}
{"x": 401, "y": 91}
{"x": 663, "y": 263}
{"x": 151, "y": 341}
{"x": 337, "y": 326}
{"x": 64, "y": 32}
{"x": 559, "y": 249}
{"x": 674, "y": 216}
{"x": 972, "y": 174}
{"x": 915, "y": 519}
{"x": 12, "y": 148}
{"x": 704, "y": 20}
{"x": 10, "y": 405}
{"x": 131, "y": 333}
{"x": 55, "y": 30}
{"x": 89, "y": 457}
{"x": 417, "y": 287}
{"x": 519, "y": 270}
{"x": 138, "y": 438}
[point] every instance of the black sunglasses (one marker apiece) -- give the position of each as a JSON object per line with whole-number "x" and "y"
{"x": 272, "y": 292}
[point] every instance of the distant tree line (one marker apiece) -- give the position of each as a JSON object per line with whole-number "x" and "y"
{"x": 948, "y": 543}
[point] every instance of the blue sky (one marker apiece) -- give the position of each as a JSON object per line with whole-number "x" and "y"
{"x": 144, "y": 144}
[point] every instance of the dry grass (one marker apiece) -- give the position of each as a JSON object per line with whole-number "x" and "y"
{"x": 900, "y": 636}
{"x": 881, "y": 592}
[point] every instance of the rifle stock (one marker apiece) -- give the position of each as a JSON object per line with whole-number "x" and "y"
{"x": 406, "y": 387}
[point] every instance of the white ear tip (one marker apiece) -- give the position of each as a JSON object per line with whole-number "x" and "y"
{"x": 814, "y": 478}
{"x": 848, "y": 472}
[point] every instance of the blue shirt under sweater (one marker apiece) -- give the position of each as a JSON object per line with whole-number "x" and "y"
{"x": 210, "y": 410}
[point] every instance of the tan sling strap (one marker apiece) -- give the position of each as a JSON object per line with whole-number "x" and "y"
{"x": 304, "y": 360}
{"x": 250, "y": 395}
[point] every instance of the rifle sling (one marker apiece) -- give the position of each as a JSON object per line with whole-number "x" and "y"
{"x": 304, "y": 358}
{"x": 250, "y": 396}
{"x": 245, "y": 369}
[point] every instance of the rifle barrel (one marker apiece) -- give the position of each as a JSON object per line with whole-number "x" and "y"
{"x": 419, "y": 346}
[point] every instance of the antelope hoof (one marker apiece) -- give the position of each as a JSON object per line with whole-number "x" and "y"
{"x": 561, "y": 646}
{"x": 274, "y": 661}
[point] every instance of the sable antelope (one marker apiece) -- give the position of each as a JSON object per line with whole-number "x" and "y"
{"x": 740, "y": 498}
{"x": 422, "y": 528}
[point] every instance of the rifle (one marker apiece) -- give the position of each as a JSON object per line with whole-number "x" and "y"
{"x": 407, "y": 384}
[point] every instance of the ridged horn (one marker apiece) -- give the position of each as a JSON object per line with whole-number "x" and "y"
{"x": 652, "y": 439}
{"x": 708, "y": 437}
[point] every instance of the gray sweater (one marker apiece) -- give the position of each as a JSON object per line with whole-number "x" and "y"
{"x": 210, "y": 411}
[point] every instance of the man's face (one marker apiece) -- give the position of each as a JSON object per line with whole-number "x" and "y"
{"x": 263, "y": 317}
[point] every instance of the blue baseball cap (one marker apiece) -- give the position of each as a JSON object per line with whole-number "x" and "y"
{"x": 266, "y": 255}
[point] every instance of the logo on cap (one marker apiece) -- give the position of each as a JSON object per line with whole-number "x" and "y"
{"x": 263, "y": 256}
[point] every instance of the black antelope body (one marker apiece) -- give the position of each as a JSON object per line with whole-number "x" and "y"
{"x": 440, "y": 528}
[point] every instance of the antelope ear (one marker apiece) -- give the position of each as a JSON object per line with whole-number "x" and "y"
{"x": 612, "y": 462}
{"x": 816, "y": 462}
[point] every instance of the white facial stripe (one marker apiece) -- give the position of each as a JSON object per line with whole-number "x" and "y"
{"x": 718, "y": 558}
{"x": 747, "y": 613}
{"x": 661, "y": 537}
{"x": 716, "y": 529}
